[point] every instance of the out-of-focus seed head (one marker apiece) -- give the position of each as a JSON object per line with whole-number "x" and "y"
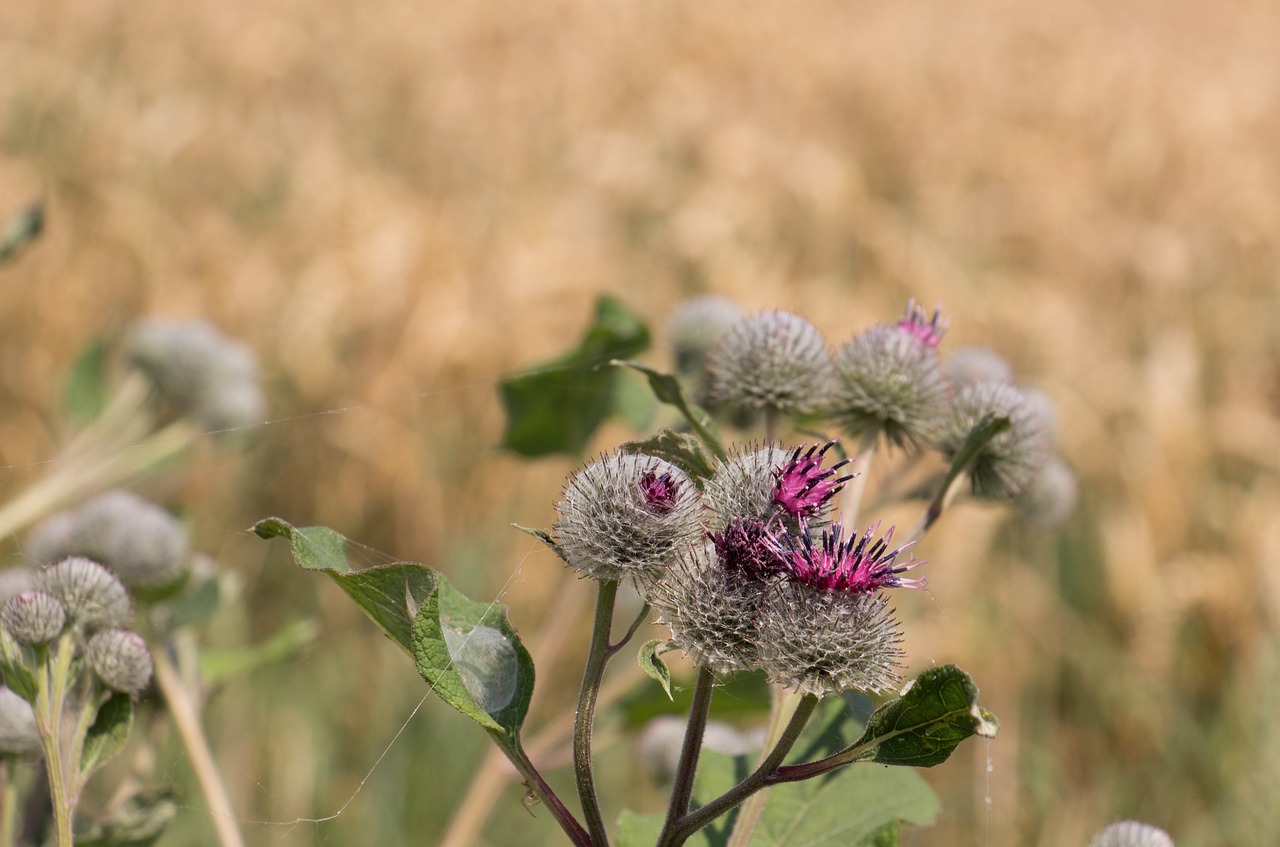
{"x": 19, "y": 735}
{"x": 1043, "y": 408}
{"x": 1012, "y": 459}
{"x": 15, "y": 581}
{"x": 802, "y": 488}
{"x": 202, "y": 372}
{"x": 916, "y": 321}
{"x": 857, "y": 565}
{"x": 625, "y": 516}
{"x": 1131, "y": 834}
{"x": 1052, "y": 495}
{"x": 121, "y": 660}
{"x": 144, "y": 544}
{"x": 744, "y": 484}
{"x": 91, "y": 595}
{"x": 976, "y": 364}
{"x": 710, "y": 611}
{"x": 33, "y": 617}
{"x": 662, "y": 739}
{"x": 771, "y": 360}
{"x": 824, "y": 642}
{"x": 888, "y": 382}
{"x": 697, "y": 326}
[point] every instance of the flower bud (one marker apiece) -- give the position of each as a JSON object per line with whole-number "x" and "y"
{"x": 697, "y": 326}
{"x": 743, "y": 485}
{"x": 976, "y": 364}
{"x": 1131, "y": 834}
{"x": 625, "y": 516}
{"x": 33, "y": 617}
{"x": 1011, "y": 459}
{"x": 18, "y": 733}
{"x": 889, "y": 382}
{"x": 91, "y": 595}
{"x": 121, "y": 660}
{"x": 142, "y": 542}
{"x": 1051, "y": 497}
{"x": 771, "y": 360}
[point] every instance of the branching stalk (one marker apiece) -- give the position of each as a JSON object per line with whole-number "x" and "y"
{"x": 682, "y": 790}
{"x": 597, "y": 658}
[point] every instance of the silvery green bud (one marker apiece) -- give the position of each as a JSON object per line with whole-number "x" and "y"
{"x": 1011, "y": 459}
{"x": 626, "y": 516}
{"x": 889, "y": 382}
{"x": 697, "y": 326}
{"x": 91, "y": 595}
{"x": 1051, "y": 497}
{"x": 121, "y": 660}
{"x": 144, "y": 544}
{"x": 1131, "y": 834}
{"x": 968, "y": 365}
{"x": 825, "y": 642}
{"x": 771, "y": 360}
{"x": 18, "y": 733}
{"x": 202, "y": 372}
{"x": 33, "y": 617}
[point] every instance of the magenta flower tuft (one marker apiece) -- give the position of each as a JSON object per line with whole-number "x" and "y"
{"x": 660, "y": 491}
{"x": 750, "y": 549}
{"x": 857, "y": 565}
{"x": 802, "y": 488}
{"x": 917, "y": 322}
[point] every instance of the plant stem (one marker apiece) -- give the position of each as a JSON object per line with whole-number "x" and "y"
{"x": 8, "y": 803}
{"x": 539, "y": 786}
{"x": 597, "y": 658}
{"x": 50, "y": 699}
{"x": 782, "y": 711}
{"x": 851, "y": 498}
{"x": 635, "y": 625}
{"x": 682, "y": 790}
{"x": 186, "y": 718}
{"x": 772, "y": 421}
{"x": 763, "y": 776}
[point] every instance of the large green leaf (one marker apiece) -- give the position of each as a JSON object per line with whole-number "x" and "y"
{"x": 935, "y": 712}
{"x": 472, "y": 657}
{"x": 556, "y": 407}
{"x": 680, "y": 449}
{"x": 389, "y": 594}
{"x": 109, "y": 732}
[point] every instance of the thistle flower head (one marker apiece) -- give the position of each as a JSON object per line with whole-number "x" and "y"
{"x": 771, "y": 360}
{"x": 202, "y": 372}
{"x": 120, "y": 659}
{"x": 91, "y": 595}
{"x": 802, "y": 488}
{"x": 144, "y": 544}
{"x": 33, "y": 617}
{"x": 888, "y": 383}
{"x": 19, "y": 735}
{"x": 744, "y": 484}
{"x": 1009, "y": 462}
{"x": 697, "y": 326}
{"x": 1131, "y": 834}
{"x": 710, "y": 608}
{"x": 917, "y": 323}
{"x": 857, "y": 565}
{"x": 625, "y": 516}
{"x": 749, "y": 550}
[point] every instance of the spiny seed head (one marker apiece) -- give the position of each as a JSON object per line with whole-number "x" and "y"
{"x": 916, "y": 321}
{"x": 1012, "y": 458}
{"x": 710, "y": 611}
{"x": 625, "y": 516}
{"x": 1051, "y": 497}
{"x": 1131, "y": 834}
{"x": 976, "y": 364}
{"x": 144, "y": 544}
{"x": 744, "y": 484}
{"x": 697, "y": 326}
{"x": 202, "y": 372}
{"x": 824, "y": 642}
{"x": 33, "y": 617}
{"x": 802, "y": 488}
{"x": 19, "y": 735}
{"x": 121, "y": 660}
{"x": 888, "y": 382}
{"x": 858, "y": 565}
{"x": 771, "y": 360}
{"x": 91, "y": 595}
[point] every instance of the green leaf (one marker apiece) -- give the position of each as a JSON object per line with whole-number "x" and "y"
{"x": 935, "y": 712}
{"x": 109, "y": 732}
{"x": 218, "y": 666}
{"x": 196, "y": 603}
{"x": 15, "y": 661}
{"x": 472, "y": 657}
{"x": 389, "y": 594}
{"x": 680, "y": 449}
{"x": 85, "y": 392}
{"x": 543, "y": 536}
{"x": 557, "y": 406}
{"x": 741, "y": 698}
{"x": 653, "y": 666}
{"x": 667, "y": 389}
{"x": 137, "y": 822}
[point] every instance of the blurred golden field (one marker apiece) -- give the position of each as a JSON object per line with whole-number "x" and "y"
{"x": 396, "y": 204}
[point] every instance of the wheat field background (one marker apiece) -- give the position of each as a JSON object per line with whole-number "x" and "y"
{"x": 397, "y": 203}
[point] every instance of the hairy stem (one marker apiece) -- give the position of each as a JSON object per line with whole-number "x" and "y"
{"x": 682, "y": 790}
{"x": 539, "y": 787}
{"x": 597, "y": 658}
